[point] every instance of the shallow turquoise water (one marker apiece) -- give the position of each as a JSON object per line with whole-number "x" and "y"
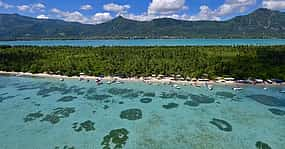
{"x": 183, "y": 126}
{"x": 149, "y": 42}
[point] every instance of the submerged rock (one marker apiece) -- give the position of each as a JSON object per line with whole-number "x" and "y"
{"x": 87, "y": 126}
{"x": 58, "y": 114}
{"x": 33, "y": 116}
{"x": 221, "y": 124}
{"x": 191, "y": 103}
{"x": 277, "y": 111}
{"x": 202, "y": 99}
{"x": 226, "y": 94}
{"x": 132, "y": 95}
{"x": 170, "y": 106}
{"x": 261, "y": 145}
{"x": 66, "y": 99}
{"x": 146, "y": 100}
{"x": 149, "y": 94}
{"x": 268, "y": 100}
{"x": 131, "y": 114}
{"x": 121, "y": 102}
{"x": 116, "y": 138}
{"x": 27, "y": 98}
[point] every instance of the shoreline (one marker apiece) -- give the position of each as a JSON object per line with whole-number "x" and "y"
{"x": 149, "y": 80}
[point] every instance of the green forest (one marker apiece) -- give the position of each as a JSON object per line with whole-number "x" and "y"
{"x": 192, "y": 61}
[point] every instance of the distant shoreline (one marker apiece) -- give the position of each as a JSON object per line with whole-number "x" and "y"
{"x": 149, "y": 80}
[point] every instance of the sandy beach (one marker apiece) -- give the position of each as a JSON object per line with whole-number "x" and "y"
{"x": 149, "y": 80}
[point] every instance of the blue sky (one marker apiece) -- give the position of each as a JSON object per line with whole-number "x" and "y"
{"x": 99, "y": 11}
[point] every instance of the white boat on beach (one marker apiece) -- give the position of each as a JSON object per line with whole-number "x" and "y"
{"x": 237, "y": 88}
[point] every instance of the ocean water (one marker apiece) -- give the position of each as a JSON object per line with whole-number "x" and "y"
{"x": 149, "y": 42}
{"x": 45, "y": 113}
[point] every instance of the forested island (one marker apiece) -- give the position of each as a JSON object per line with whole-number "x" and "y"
{"x": 189, "y": 61}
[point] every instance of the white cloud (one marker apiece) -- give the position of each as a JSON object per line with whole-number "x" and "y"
{"x": 205, "y": 14}
{"x": 78, "y": 17}
{"x": 274, "y": 4}
{"x": 32, "y": 7}
{"x": 116, "y": 8}
{"x": 233, "y": 6}
{"x": 166, "y": 6}
{"x": 42, "y": 16}
{"x": 70, "y": 16}
{"x": 5, "y": 5}
{"x": 86, "y": 7}
{"x": 101, "y": 18}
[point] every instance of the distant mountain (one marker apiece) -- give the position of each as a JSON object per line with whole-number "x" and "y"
{"x": 262, "y": 23}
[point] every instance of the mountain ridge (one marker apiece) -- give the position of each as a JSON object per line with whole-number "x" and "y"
{"x": 261, "y": 23}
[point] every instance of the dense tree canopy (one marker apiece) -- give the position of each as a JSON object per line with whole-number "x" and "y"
{"x": 237, "y": 61}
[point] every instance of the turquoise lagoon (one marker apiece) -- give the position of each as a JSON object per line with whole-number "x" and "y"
{"x": 149, "y": 42}
{"x": 45, "y": 113}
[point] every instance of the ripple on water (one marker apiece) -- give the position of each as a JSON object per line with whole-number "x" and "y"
{"x": 268, "y": 100}
{"x": 116, "y": 139}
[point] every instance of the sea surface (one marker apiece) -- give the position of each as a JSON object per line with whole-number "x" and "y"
{"x": 149, "y": 42}
{"x": 45, "y": 113}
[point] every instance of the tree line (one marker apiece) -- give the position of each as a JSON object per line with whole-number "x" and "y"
{"x": 189, "y": 61}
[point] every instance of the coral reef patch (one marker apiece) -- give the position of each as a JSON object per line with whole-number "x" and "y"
{"x": 117, "y": 138}
{"x": 33, "y": 116}
{"x": 262, "y": 145}
{"x": 84, "y": 126}
{"x": 277, "y": 111}
{"x": 66, "y": 99}
{"x": 131, "y": 114}
{"x": 226, "y": 94}
{"x": 57, "y": 114}
{"x": 170, "y": 106}
{"x": 268, "y": 100}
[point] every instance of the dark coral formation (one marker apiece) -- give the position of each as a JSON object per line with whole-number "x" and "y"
{"x": 98, "y": 97}
{"x": 65, "y": 147}
{"x": 63, "y": 89}
{"x": 58, "y": 114}
{"x": 221, "y": 124}
{"x": 66, "y": 99}
{"x": 277, "y": 111}
{"x": 3, "y": 98}
{"x": 131, "y": 114}
{"x": 84, "y": 126}
{"x": 116, "y": 138}
{"x": 33, "y": 116}
{"x": 191, "y": 103}
{"x": 268, "y": 100}
{"x": 181, "y": 96}
{"x": 167, "y": 95}
{"x": 262, "y": 145}
{"x": 145, "y": 100}
{"x": 170, "y": 106}
{"x": 225, "y": 94}
{"x": 119, "y": 91}
{"x": 27, "y": 98}
{"x": 132, "y": 95}
{"x": 121, "y": 102}
{"x": 149, "y": 94}
{"x": 202, "y": 99}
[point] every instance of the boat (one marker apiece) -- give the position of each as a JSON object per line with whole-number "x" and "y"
{"x": 176, "y": 86}
{"x": 61, "y": 79}
{"x": 237, "y": 88}
{"x": 210, "y": 87}
{"x": 282, "y": 91}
